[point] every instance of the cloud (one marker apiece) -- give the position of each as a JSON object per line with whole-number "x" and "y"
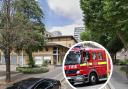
{"x": 67, "y": 8}
{"x": 66, "y": 30}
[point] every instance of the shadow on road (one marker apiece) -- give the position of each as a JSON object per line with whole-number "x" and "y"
{"x": 88, "y": 84}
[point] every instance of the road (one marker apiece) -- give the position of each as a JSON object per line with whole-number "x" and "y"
{"x": 65, "y": 85}
{"x": 88, "y": 86}
{"x": 118, "y": 79}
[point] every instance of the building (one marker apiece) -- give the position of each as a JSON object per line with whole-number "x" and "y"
{"x": 57, "y": 33}
{"x": 77, "y": 32}
{"x": 48, "y": 34}
{"x": 54, "y": 51}
{"x": 67, "y": 41}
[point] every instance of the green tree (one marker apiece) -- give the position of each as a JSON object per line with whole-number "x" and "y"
{"x": 34, "y": 14}
{"x": 21, "y": 28}
{"x": 107, "y": 16}
{"x": 113, "y": 46}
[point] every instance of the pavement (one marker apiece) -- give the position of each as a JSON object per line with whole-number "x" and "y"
{"x": 118, "y": 79}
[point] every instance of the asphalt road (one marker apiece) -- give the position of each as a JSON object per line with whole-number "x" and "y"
{"x": 55, "y": 74}
{"x": 88, "y": 86}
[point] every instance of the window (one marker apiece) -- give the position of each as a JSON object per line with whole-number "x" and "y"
{"x": 73, "y": 58}
{"x": 55, "y": 50}
{"x": 86, "y": 56}
{"x": 94, "y": 56}
{"x": 43, "y": 85}
{"x": 100, "y": 56}
{"x": 69, "y": 45}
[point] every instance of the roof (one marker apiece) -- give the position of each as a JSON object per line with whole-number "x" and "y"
{"x": 64, "y": 36}
{"x": 52, "y": 44}
{"x": 92, "y": 49}
{"x": 78, "y": 49}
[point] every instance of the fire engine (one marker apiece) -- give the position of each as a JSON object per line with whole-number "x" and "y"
{"x": 87, "y": 65}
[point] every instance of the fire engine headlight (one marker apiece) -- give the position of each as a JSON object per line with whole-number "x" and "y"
{"x": 78, "y": 72}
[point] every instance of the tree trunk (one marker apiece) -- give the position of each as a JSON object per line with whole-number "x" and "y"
{"x": 120, "y": 35}
{"x": 31, "y": 61}
{"x": 112, "y": 55}
{"x": 115, "y": 58}
{"x": 7, "y": 60}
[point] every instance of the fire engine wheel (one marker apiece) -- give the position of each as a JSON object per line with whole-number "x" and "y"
{"x": 72, "y": 83}
{"x": 93, "y": 78}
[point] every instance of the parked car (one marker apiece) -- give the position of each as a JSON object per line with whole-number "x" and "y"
{"x": 36, "y": 83}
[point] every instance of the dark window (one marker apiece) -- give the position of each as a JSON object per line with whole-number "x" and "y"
{"x": 86, "y": 56}
{"x": 93, "y": 55}
{"x": 55, "y": 50}
{"x": 100, "y": 56}
{"x": 73, "y": 58}
{"x": 43, "y": 85}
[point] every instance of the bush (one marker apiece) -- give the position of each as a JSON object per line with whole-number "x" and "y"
{"x": 120, "y": 62}
{"x": 32, "y": 70}
{"x": 45, "y": 63}
{"x": 124, "y": 68}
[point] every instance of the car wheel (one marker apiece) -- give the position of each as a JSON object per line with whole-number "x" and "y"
{"x": 72, "y": 83}
{"x": 93, "y": 78}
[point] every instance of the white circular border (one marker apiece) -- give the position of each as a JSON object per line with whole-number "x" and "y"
{"x": 98, "y": 46}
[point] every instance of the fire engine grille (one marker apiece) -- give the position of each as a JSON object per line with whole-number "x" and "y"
{"x": 70, "y": 71}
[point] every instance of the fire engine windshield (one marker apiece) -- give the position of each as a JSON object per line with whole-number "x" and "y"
{"x": 73, "y": 58}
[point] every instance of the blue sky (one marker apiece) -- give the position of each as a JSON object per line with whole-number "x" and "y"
{"x": 61, "y": 15}
{"x": 51, "y": 18}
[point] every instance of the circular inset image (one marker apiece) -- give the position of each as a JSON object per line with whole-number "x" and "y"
{"x": 87, "y": 65}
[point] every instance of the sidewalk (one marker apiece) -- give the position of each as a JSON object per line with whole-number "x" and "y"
{"x": 118, "y": 79}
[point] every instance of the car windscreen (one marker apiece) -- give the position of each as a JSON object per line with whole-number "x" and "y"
{"x": 73, "y": 58}
{"x": 45, "y": 84}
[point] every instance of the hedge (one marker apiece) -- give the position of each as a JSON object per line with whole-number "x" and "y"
{"x": 31, "y": 70}
{"x": 122, "y": 62}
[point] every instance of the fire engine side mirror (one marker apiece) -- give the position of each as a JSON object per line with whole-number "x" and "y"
{"x": 80, "y": 51}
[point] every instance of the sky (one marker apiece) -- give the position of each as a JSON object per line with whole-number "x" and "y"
{"x": 61, "y": 15}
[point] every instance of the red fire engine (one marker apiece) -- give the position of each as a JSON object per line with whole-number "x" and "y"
{"x": 87, "y": 65}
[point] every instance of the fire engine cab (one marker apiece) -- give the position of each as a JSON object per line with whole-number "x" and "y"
{"x": 87, "y": 65}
